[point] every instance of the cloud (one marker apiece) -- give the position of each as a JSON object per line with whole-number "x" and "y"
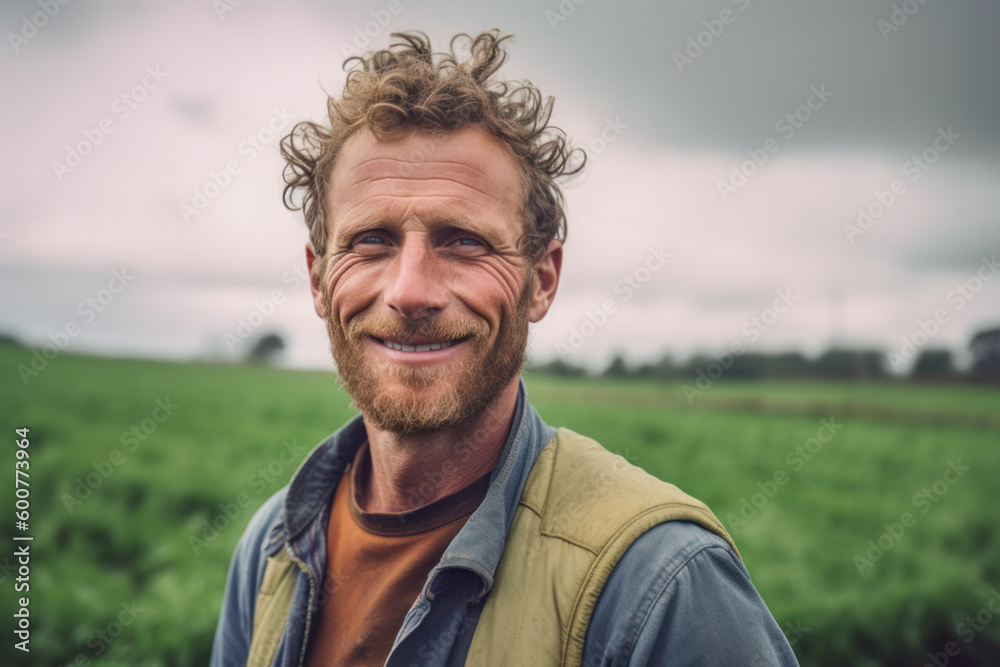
{"x": 660, "y": 141}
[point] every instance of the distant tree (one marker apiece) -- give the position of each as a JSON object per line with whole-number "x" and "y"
{"x": 266, "y": 349}
{"x": 844, "y": 363}
{"x": 664, "y": 369}
{"x": 933, "y": 365}
{"x": 8, "y": 339}
{"x": 750, "y": 365}
{"x": 790, "y": 364}
{"x": 557, "y": 367}
{"x": 617, "y": 368}
{"x": 754, "y": 365}
{"x": 757, "y": 365}
{"x": 695, "y": 363}
{"x": 985, "y": 348}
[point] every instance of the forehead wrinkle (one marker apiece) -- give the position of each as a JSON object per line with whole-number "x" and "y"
{"x": 367, "y": 172}
{"x": 367, "y": 184}
{"x": 380, "y": 214}
{"x": 352, "y": 189}
{"x": 363, "y": 152}
{"x": 404, "y": 180}
{"x": 418, "y": 196}
{"x": 370, "y": 164}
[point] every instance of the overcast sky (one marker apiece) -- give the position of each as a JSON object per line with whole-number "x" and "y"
{"x": 671, "y": 100}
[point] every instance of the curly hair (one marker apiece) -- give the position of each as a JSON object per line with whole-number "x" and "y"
{"x": 408, "y": 87}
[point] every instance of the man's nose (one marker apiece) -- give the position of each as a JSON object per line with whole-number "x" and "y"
{"x": 416, "y": 287}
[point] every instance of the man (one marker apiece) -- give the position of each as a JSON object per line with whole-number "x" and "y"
{"x": 448, "y": 524}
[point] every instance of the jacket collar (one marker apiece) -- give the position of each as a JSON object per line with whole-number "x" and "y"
{"x": 479, "y": 544}
{"x": 313, "y": 483}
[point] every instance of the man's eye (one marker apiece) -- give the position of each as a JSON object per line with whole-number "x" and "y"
{"x": 467, "y": 241}
{"x": 372, "y": 239}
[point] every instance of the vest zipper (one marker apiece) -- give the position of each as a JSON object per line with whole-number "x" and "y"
{"x": 311, "y": 578}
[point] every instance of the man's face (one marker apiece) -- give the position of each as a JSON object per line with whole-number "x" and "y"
{"x": 426, "y": 295}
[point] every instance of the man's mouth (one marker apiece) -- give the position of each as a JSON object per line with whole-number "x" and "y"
{"x": 426, "y": 347}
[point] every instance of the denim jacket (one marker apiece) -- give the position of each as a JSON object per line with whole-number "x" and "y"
{"x": 679, "y": 595}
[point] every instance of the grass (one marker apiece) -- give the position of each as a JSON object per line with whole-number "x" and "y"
{"x": 129, "y": 535}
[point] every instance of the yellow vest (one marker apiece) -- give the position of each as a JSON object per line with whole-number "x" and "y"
{"x": 580, "y": 510}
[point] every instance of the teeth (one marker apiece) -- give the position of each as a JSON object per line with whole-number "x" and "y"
{"x": 417, "y": 348}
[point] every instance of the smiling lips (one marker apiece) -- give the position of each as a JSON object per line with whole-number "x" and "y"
{"x": 418, "y": 348}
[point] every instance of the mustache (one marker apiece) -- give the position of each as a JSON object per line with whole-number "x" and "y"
{"x": 399, "y": 328}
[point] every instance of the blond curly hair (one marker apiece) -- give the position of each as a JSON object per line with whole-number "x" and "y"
{"x": 408, "y": 87}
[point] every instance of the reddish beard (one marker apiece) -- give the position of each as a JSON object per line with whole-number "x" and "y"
{"x": 409, "y": 399}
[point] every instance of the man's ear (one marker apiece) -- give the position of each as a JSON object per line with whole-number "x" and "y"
{"x": 546, "y": 281}
{"x": 316, "y": 280}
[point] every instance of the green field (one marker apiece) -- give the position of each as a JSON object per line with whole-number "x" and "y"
{"x": 135, "y": 545}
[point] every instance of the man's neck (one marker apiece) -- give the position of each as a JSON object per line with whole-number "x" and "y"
{"x": 411, "y": 471}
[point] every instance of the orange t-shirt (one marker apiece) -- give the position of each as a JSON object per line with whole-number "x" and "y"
{"x": 377, "y": 565}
